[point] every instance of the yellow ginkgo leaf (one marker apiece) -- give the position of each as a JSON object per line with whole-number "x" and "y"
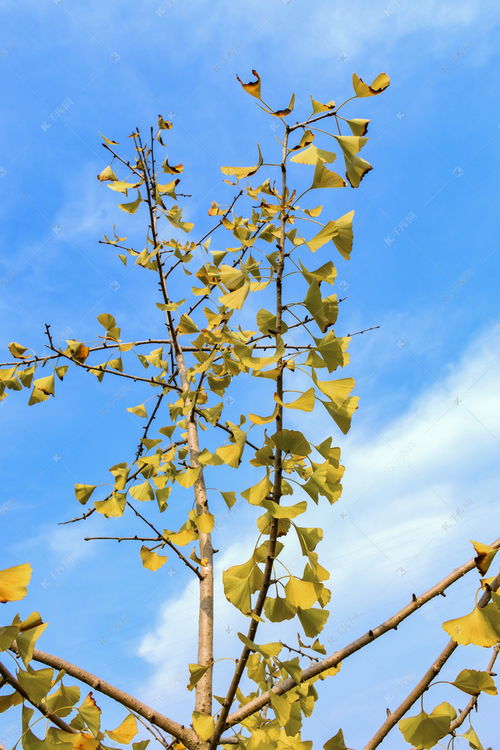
{"x": 313, "y": 212}
{"x": 252, "y": 87}
{"x": 285, "y": 511}
{"x": 169, "y": 188}
{"x": 241, "y": 172}
{"x": 203, "y": 725}
{"x": 125, "y": 732}
{"x": 188, "y": 477}
{"x": 106, "y": 174}
{"x": 351, "y": 144}
{"x": 473, "y": 682}
{"x": 139, "y": 411}
{"x": 172, "y": 168}
{"x": 108, "y": 140}
{"x": 181, "y": 537}
{"x": 205, "y": 523}
{"x": 312, "y": 154}
{"x": 306, "y": 138}
{"x": 17, "y": 350}
{"x": 342, "y": 234}
{"x": 287, "y": 110}
{"x": 341, "y": 405}
{"x": 325, "y": 178}
{"x": 278, "y": 609}
{"x": 42, "y": 389}
{"x": 90, "y": 713}
{"x": 120, "y": 186}
{"x": 358, "y": 126}
{"x": 132, "y": 207}
{"x": 319, "y": 107}
{"x": 485, "y": 555}
{"x": 379, "y": 84}
{"x": 263, "y": 420}
{"x": 305, "y": 402}
{"x": 151, "y": 560}
{"x": 258, "y": 492}
{"x": 14, "y": 582}
{"x": 84, "y": 741}
{"x": 292, "y": 442}
{"x": 339, "y": 231}
{"x": 240, "y": 582}
{"x": 312, "y": 620}
{"x": 113, "y": 506}
{"x": 336, "y": 742}
{"x": 424, "y": 730}
{"x": 164, "y": 124}
{"x": 301, "y": 593}
{"x": 234, "y": 300}
{"x": 83, "y": 492}
{"x": 480, "y": 627}
{"x": 196, "y": 672}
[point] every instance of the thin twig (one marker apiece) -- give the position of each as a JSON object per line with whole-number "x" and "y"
{"x": 166, "y": 541}
{"x": 123, "y": 538}
{"x": 298, "y": 651}
{"x": 141, "y": 446}
{"x": 156, "y": 734}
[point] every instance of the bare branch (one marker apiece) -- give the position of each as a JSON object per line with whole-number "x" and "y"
{"x": 122, "y": 538}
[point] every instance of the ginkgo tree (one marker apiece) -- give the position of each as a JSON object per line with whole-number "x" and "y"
{"x": 199, "y": 347}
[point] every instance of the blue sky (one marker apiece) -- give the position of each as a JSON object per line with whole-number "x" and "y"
{"x": 422, "y": 457}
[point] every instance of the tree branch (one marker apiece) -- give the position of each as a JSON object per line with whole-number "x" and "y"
{"x": 98, "y": 368}
{"x": 334, "y": 659}
{"x": 203, "y": 698}
{"x": 140, "y": 447}
{"x": 182, "y": 733}
{"x": 8, "y": 677}
{"x": 426, "y": 680}
{"x": 278, "y": 468}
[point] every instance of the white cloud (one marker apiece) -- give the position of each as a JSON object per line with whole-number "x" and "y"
{"x": 414, "y": 494}
{"x": 326, "y": 29}
{"x": 321, "y": 29}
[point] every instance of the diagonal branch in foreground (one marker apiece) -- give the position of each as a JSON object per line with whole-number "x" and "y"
{"x": 334, "y": 659}
{"x": 11, "y": 680}
{"x": 180, "y": 732}
{"x": 426, "y": 680}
